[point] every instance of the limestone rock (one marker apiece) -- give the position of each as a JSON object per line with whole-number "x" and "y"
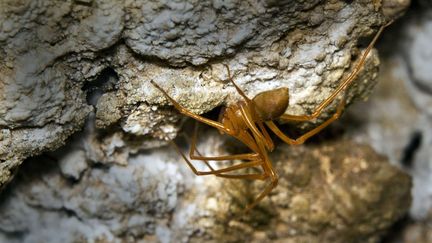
{"x": 398, "y": 121}
{"x": 335, "y": 192}
{"x": 55, "y": 52}
{"x": 87, "y": 64}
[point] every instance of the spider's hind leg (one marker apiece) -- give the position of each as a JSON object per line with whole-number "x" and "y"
{"x": 307, "y": 135}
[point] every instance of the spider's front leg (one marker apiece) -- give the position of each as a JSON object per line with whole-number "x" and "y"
{"x": 342, "y": 86}
{"x": 188, "y": 113}
{"x": 253, "y": 157}
{"x": 318, "y": 110}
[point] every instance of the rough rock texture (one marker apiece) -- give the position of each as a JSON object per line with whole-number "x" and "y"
{"x": 415, "y": 232}
{"x": 67, "y": 62}
{"x": 336, "y": 192}
{"x": 399, "y": 118}
{"x": 54, "y": 54}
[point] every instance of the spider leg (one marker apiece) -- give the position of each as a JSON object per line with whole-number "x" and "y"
{"x": 230, "y": 78}
{"x": 304, "y": 137}
{"x": 266, "y": 163}
{"x": 268, "y": 141}
{"x": 217, "y": 158}
{"x": 244, "y": 176}
{"x": 248, "y": 164}
{"x": 248, "y": 156}
{"x": 273, "y": 183}
{"x": 268, "y": 172}
{"x": 261, "y": 176}
{"x": 188, "y": 113}
{"x": 344, "y": 84}
{"x": 247, "y": 117}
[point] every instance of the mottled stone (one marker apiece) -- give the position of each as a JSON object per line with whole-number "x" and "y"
{"x": 335, "y": 192}
{"x": 398, "y": 121}
{"x": 107, "y": 110}
{"x": 54, "y": 53}
{"x": 73, "y": 164}
{"x": 339, "y": 192}
{"x": 67, "y": 62}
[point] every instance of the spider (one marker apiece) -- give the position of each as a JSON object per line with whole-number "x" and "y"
{"x": 247, "y": 120}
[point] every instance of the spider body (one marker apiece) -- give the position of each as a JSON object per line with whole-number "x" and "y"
{"x": 265, "y": 106}
{"x": 247, "y": 120}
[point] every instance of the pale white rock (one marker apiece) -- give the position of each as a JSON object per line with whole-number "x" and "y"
{"x": 156, "y": 198}
{"x": 73, "y": 164}
{"x": 65, "y": 62}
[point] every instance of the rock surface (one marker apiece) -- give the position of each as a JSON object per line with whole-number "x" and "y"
{"x": 399, "y": 118}
{"x": 86, "y": 64}
{"x": 335, "y": 192}
{"x": 60, "y": 57}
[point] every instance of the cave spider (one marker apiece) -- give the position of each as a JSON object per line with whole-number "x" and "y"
{"x": 246, "y": 121}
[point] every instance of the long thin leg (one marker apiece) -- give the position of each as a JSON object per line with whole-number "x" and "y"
{"x": 304, "y": 137}
{"x": 268, "y": 141}
{"x": 266, "y": 163}
{"x": 263, "y": 176}
{"x": 260, "y": 176}
{"x": 248, "y": 156}
{"x": 244, "y": 176}
{"x": 247, "y": 117}
{"x": 263, "y": 194}
{"x": 268, "y": 171}
{"x": 204, "y": 159}
{"x": 341, "y": 87}
{"x": 186, "y": 112}
{"x": 230, "y": 78}
{"x": 213, "y": 172}
{"x": 237, "y": 176}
